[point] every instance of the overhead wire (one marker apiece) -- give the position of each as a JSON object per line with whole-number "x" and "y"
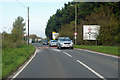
{"x": 21, "y": 4}
{"x": 24, "y": 7}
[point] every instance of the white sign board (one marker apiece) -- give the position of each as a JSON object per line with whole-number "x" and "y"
{"x": 30, "y": 40}
{"x": 90, "y": 32}
{"x": 55, "y": 35}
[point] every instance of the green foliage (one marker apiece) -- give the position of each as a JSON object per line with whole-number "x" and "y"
{"x": 60, "y": 18}
{"x": 117, "y": 38}
{"x": 18, "y": 29}
{"x": 67, "y": 14}
{"x": 14, "y": 49}
{"x": 107, "y": 15}
{"x": 12, "y": 58}
{"x": 67, "y": 30}
{"x": 16, "y": 38}
{"x": 8, "y": 43}
{"x": 103, "y": 49}
{"x": 108, "y": 24}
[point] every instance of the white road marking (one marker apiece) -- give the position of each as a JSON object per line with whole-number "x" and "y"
{"x": 56, "y": 49}
{"x": 38, "y": 50}
{"x": 24, "y": 66}
{"x": 99, "y": 53}
{"x": 67, "y": 54}
{"x": 100, "y": 76}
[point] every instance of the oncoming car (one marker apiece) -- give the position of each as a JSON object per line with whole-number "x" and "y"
{"x": 45, "y": 42}
{"x": 53, "y": 43}
{"x": 64, "y": 42}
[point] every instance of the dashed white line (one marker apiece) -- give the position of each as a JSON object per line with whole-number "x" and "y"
{"x": 67, "y": 54}
{"x": 97, "y": 74}
{"x": 56, "y": 50}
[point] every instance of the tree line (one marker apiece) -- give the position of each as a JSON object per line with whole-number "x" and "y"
{"x": 106, "y": 14}
{"x": 16, "y": 38}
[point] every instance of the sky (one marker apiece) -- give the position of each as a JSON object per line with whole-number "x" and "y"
{"x": 39, "y": 12}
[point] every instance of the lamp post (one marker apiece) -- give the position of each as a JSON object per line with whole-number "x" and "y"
{"x": 75, "y": 21}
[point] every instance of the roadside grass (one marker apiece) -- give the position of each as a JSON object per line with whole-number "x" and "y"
{"x": 103, "y": 49}
{"x": 12, "y": 58}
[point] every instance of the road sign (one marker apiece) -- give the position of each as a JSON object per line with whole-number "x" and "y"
{"x": 75, "y": 33}
{"x": 90, "y": 32}
{"x": 89, "y": 29}
{"x": 75, "y": 37}
{"x": 25, "y": 34}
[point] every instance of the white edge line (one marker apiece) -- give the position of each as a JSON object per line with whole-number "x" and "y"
{"x": 24, "y": 66}
{"x": 91, "y": 70}
{"x": 98, "y": 53}
{"x": 67, "y": 54}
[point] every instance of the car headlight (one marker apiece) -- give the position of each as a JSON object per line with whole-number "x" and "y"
{"x": 62, "y": 44}
{"x": 71, "y": 43}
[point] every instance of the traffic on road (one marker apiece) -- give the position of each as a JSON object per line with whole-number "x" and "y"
{"x": 66, "y": 39}
{"x": 50, "y": 62}
{"x": 62, "y": 42}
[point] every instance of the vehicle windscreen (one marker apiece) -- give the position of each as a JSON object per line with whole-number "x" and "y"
{"x": 54, "y": 41}
{"x": 45, "y": 41}
{"x": 65, "y": 39}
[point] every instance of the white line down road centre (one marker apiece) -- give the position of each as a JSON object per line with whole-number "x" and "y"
{"x": 67, "y": 54}
{"x": 97, "y": 74}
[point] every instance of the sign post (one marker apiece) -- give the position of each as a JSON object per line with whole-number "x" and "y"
{"x": 25, "y": 34}
{"x": 75, "y": 36}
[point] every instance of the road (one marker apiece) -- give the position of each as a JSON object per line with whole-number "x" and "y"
{"x": 50, "y": 62}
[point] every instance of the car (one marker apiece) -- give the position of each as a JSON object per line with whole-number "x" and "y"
{"x": 64, "y": 42}
{"x": 52, "y": 43}
{"x": 45, "y": 42}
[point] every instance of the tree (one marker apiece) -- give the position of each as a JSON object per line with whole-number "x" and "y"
{"x": 18, "y": 29}
{"x": 108, "y": 24}
{"x": 105, "y": 14}
{"x": 67, "y": 30}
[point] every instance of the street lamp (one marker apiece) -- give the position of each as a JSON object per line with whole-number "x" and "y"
{"x": 75, "y": 22}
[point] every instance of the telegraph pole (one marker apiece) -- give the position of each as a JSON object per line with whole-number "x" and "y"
{"x": 75, "y": 22}
{"x": 28, "y": 25}
{"x": 75, "y": 36}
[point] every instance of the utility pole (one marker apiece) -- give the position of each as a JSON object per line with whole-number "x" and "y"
{"x": 75, "y": 36}
{"x": 28, "y": 25}
{"x": 75, "y": 22}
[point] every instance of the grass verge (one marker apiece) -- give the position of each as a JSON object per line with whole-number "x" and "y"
{"x": 103, "y": 49}
{"x": 12, "y": 58}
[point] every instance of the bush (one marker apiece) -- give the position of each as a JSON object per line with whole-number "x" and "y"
{"x": 14, "y": 57}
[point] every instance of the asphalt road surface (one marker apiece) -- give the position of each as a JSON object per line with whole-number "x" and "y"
{"x": 50, "y": 62}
